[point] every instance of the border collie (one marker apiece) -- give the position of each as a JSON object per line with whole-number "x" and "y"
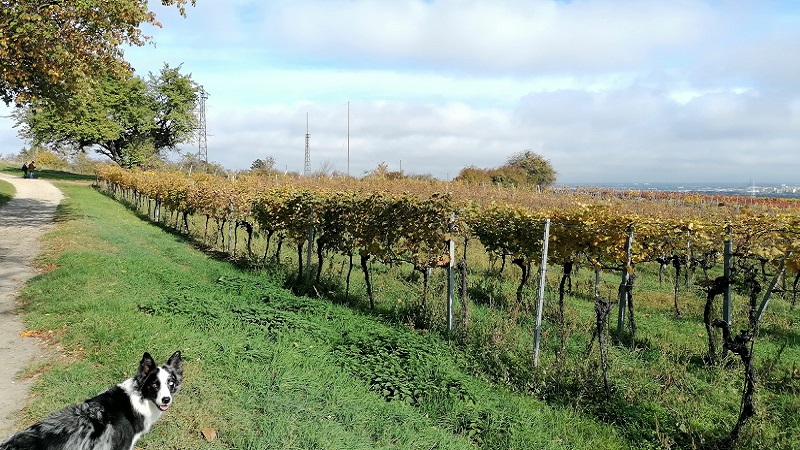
{"x": 114, "y": 419}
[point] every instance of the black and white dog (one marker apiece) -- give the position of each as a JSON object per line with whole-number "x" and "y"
{"x": 113, "y": 420}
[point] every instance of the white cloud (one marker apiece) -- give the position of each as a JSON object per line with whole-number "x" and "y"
{"x": 503, "y": 36}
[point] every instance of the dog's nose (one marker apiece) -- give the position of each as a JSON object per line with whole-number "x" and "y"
{"x": 165, "y": 400}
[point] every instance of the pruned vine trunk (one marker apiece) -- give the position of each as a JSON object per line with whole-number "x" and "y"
{"x": 717, "y": 288}
{"x": 523, "y": 281}
{"x": 300, "y": 262}
{"x": 631, "y": 316}
{"x": 566, "y": 277}
{"x": 676, "y": 263}
{"x": 463, "y": 293}
{"x": 278, "y": 250}
{"x": 365, "y": 269}
{"x": 426, "y": 275}
{"x": 349, "y": 273}
{"x": 320, "y": 256}
{"x": 596, "y": 282}
{"x": 266, "y": 248}
{"x": 602, "y": 308}
{"x": 741, "y": 345}
{"x": 249, "y": 228}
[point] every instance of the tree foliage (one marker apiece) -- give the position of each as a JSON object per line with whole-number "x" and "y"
{"x": 53, "y": 49}
{"x": 126, "y": 118}
{"x": 263, "y": 165}
{"x": 524, "y": 168}
{"x": 538, "y": 171}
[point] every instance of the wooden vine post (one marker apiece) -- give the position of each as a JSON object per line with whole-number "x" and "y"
{"x": 540, "y": 305}
{"x": 623, "y": 286}
{"x": 451, "y": 280}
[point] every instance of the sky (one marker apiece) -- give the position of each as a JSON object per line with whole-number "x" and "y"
{"x": 609, "y": 91}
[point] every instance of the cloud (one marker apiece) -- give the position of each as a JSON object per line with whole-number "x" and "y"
{"x": 499, "y": 37}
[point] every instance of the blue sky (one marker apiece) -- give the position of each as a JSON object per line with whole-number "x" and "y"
{"x": 607, "y": 90}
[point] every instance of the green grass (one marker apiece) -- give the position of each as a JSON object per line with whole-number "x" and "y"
{"x": 265, "y": 368}
{"x": 46, "y": 174}
{"x": 269, "y": 369}
{"x": 7, "y": 192}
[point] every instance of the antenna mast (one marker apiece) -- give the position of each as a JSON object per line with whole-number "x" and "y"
{"x": 202, "y": 132}
{"x": 307, "y": 167}
{"x": 348, "y": 139}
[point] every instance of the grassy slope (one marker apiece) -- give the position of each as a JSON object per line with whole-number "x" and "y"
{"x": 265, "y": 369}
{"x": 7, "y": 192}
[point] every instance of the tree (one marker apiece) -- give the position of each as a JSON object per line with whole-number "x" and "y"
{"x": 524, "y": 168}
{"x": 538, "y": 170}
{"x": 263, "y": 165}
{"x": 127, "y": 119}
{"x": 52, "y": 49}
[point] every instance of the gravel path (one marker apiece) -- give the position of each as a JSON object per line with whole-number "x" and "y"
{"x": 23, "y": 220}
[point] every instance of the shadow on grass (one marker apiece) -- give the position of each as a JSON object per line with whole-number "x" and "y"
{"x": 51, "y": 174}
{"x": 4, "y": 199}
{"x": 66, "y": 212}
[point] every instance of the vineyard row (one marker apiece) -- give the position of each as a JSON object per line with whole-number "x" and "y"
{"x": 392, "y": 225}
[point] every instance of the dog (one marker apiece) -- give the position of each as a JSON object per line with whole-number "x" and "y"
{"x": 114, "y": 419}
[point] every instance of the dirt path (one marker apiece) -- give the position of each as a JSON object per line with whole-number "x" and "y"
{"x": 23, "y": 220}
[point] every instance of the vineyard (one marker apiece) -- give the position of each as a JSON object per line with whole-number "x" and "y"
{"x": 734, "y": 255}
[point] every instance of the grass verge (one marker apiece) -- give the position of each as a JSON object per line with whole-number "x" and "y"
{"x": 264, "y": 368}
{"x": 7, "y": 192}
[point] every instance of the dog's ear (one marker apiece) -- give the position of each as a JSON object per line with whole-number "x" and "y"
{"x": 175, "y": 363}
{"x": 147, "y": 365}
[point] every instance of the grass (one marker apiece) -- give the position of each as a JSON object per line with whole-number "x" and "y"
{"x": 7, "y": 192}
{"x": 265, "y": 368}
{"x": 269, "y": 369}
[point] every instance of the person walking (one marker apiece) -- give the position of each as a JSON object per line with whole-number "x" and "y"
{"x": 24, "y": 170}
{"x": 31, "y": 168}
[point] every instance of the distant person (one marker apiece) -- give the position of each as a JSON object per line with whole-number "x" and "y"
{"x": 24, "y": 170}
{"x": 31, "y": 168}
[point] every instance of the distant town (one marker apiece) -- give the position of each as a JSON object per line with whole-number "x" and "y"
{"x": 754, "y": 190}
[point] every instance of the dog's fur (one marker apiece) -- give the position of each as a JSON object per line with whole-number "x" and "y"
{"x": 114, "y": 419}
